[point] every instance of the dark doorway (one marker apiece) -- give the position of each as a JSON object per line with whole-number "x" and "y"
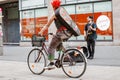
{"x": 11, "y": 27}
{"x": 13, "y": 31}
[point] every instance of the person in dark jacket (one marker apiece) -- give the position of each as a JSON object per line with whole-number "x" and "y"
{"x": 90, "y": 36}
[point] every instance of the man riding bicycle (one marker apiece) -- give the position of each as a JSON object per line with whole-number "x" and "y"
{"x": 61, "y": 34}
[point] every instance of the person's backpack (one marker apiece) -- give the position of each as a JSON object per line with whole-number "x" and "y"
{"x": 67, "y": 21}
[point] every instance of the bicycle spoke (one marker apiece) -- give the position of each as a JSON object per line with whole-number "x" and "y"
{"x": 36, "y": 61}
{"x": 73, "y": 63}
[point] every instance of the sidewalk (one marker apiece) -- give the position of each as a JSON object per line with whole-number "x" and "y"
{"x": 12, "y": 70}
{"x": 105, "y": 66}
{"x": 104, "y": 55}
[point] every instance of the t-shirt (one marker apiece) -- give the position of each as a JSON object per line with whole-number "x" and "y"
{"x": 59, "y": 26}
{"x": 90, "y": 32}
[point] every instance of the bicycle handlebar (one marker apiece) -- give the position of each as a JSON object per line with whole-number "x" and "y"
{"x": 46, "y": 34}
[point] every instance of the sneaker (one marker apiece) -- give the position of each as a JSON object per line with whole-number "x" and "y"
{"x": 50, "y": 66}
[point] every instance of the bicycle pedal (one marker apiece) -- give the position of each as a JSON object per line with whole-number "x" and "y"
{"x": 49, "y": 68}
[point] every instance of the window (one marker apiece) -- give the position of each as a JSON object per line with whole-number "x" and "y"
{"x": 31, "y": 22}
{"x": 27, "y": 4}
{"x": 40, "y": 20}
{"x": 102, "y": 13}
{"x": 103, "y": 19}
{"x": 71, "y": 1}
{"x": 82, "y": 12}
{"x": 27, "y": 25}
{"x": 13, "y": 13}
{"x": 62, "y": 1}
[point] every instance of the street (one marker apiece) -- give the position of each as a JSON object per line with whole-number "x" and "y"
{"x": 12, "y": 70}
{"x": 105, "y": 65}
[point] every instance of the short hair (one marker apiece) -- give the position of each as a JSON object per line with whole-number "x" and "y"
{"x": 56, "y": 3}
{"x": 91, "y": 17}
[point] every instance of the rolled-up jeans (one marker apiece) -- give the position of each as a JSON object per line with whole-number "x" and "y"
{"x": 56, "y": 40}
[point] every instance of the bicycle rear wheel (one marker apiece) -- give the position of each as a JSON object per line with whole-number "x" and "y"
{"x": 36, "y": 61}
{"x": 73, "y": 63}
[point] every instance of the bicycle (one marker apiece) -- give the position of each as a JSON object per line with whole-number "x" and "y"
{"x": 72, "y": 61}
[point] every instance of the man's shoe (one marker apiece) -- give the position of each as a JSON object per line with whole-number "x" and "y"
{"x": 50, "y": 66}
{"x": 90, "y": 57}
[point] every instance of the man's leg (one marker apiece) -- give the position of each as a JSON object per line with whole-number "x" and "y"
{"x": 51, "y": 50}
{"x": 93, "y": 48}
{"x": 57, "y": 39}
{"x": 89, "y": 47}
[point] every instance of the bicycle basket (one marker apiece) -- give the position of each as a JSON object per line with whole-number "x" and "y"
{"x": 37, "y": 40}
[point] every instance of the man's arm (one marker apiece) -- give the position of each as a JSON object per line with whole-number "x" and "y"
{"x": 47, "y": 25}
{"x": 93, "y": 28}
{"x": 85, "y": 32}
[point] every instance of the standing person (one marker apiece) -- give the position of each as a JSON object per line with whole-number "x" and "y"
{"x": 90, "y": 36}
{"x": 58, "y": 37}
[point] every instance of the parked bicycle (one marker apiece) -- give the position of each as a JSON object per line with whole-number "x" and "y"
{"x": 72, "y": 61}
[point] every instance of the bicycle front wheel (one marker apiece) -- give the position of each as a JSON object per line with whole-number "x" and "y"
{"x": 36, "y": 61}
{"x": 73, "y": 63}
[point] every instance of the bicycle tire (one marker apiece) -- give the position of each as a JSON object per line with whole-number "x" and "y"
{"x": 35, "y": 64}
{"x": 73, "y": 68}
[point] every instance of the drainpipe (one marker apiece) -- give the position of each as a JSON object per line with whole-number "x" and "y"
{"x": 1, "y": 40}
{"x": 1, "y": 34}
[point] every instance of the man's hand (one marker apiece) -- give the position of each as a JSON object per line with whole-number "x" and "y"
{"x": 42, "y": 30}
{"x": 91, "y": 27}
{"x": 41, "y": 33}
{"x": 94, "y": 29}
{"x": 85, "y": 37}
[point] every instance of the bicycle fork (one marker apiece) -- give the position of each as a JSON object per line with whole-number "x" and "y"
{"x": 38, "y": 57}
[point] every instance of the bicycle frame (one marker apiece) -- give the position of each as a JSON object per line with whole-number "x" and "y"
{"x": 44, "y": 47}
{"x": 60, "y": 51}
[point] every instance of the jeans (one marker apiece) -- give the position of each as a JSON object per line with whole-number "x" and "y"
{"x": 56, "y": 40}
{"x": 91, "y": 47}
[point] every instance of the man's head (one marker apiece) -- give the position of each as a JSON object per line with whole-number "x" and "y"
{"x": 56, "y": 3}
{"x": 90, "y": 18}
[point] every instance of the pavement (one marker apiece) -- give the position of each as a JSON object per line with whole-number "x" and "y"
{"x": 105, "y": 65}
